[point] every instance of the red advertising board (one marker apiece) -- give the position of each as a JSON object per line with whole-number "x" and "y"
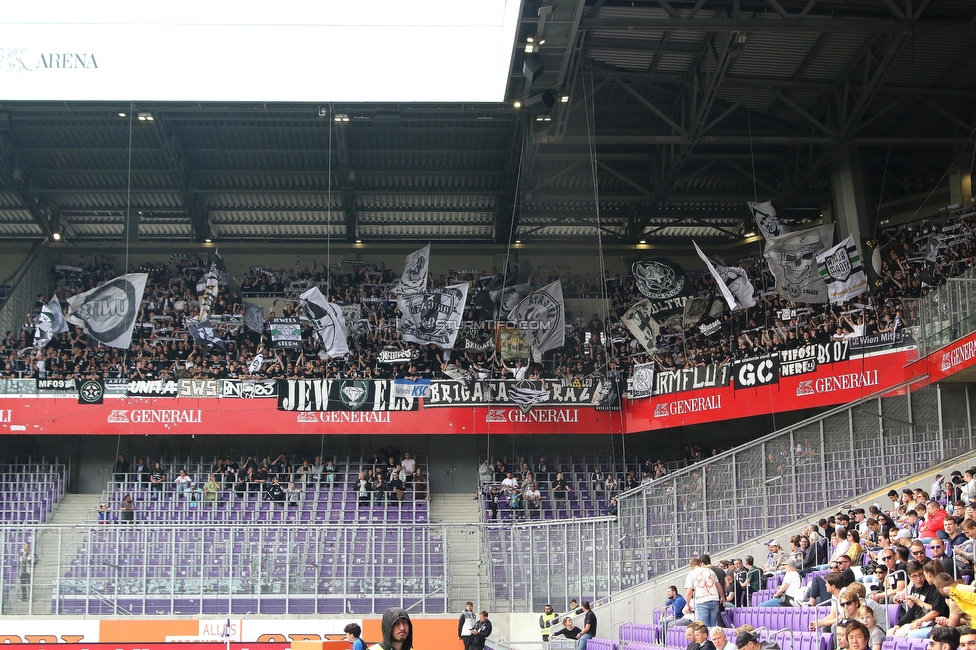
{"x": 948, "y": 360}
{"x": 752, "y": 390}
{"x": 203, "y": 416}
{"x": 835, "y": 383}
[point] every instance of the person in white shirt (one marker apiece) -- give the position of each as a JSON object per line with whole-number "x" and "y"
{"x": 182, "y": 483}
{"x": 409, "y": 464}
{"x": 701, "y": 585}
{"x": 789, "y": 590}
{"x": 510, "y": 482}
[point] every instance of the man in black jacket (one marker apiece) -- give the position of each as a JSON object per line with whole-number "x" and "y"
{"x": 481, "y": 631}
{"x": 397, "y": 631}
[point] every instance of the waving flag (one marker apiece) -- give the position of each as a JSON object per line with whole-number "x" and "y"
{"x": 49, "y": 324}
{"x": 328, "y": 322}
{"x": 108, "y": 312}
{"x": 843, "y": 272}
{"x": 541, "y": 319}
{"x": 642, "y": 325}
{"x": 792, "y": 259}
{"x": 414, "y": 278}
{"x": 765, "y": 215}
{"x": 433, "y": 316}
{"x": 732, "y": 281}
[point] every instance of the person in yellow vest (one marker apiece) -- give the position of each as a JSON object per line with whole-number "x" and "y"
{"x": 545, "y": 621}
{"x": 397, "y": 631}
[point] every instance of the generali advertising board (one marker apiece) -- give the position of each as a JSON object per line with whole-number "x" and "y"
{"x": 771, "y": 383}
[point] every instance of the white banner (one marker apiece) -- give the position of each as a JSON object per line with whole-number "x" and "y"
{"x": 108, "y": 312}
{"x": 643, "y": 381}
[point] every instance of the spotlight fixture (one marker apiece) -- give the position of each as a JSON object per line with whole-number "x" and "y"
{"x": 56, "y": 236}
{"x": 121, "y": 113}
{"x": 207, "y": 241}
{"x": 359, "y": 241}
{"x": 564, "y": 99}
{"x": 341, "y": 117}
{"x": 518, "y": 241}
{"x": 517, "y": 104}
{"x": 750, "y": 234}
{"x": 643, "y": 241}
{"x": 145, "y": 117}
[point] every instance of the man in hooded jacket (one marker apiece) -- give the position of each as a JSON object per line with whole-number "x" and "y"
{"x": 397, "y": 631}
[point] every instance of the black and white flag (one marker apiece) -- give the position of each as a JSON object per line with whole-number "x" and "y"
{"x": 207, "y": 289}
{"x": 642, "y": 325}
{"x": 694, "y": 311}
{"x": 204, "y": 335}
{"x": 254, "y": 317}
{"x": 842, "y": 271}
{"x": 328, "y": 322}
{"x": 659, "y": 279}
{"x": 433, "y": 316}
{"x": 108, "y": 312}
{"x": 50, "y": 323}
{"x": 732, "y": 282}
{"x": 286, "y": 333}
{"x": 507, "y": 298}
{"x": 792, "y": 259}
{"x": 643, "y": 381}
{"x": 414, "y": 278}
{"x": 541, "y": 319}
{"x": 256, "y": 363}
{"x": 765, "y": 215}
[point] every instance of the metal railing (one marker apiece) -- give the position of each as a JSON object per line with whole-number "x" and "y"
{"x": 948, "y": 313}
{"x": 791, "y": 474}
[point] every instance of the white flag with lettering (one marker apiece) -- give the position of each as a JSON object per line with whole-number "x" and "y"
{"x": 108, "y": 312}
{"x": 541, "y": 319}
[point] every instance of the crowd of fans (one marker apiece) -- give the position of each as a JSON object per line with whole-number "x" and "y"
{"x": 283, "y": 478}
{"x": 594, "y": 347}
{"x": 916, "y": 553}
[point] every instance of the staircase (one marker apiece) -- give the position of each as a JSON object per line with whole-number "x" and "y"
{"x": 467, "y": 571}
{"x": 74, "y": 511}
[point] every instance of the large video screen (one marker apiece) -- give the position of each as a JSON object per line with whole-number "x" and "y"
{"x": 217, "y": 50}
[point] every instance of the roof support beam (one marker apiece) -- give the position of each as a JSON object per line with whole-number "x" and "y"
{"x": 18, "y": 180}
{"x": 818, "y": 25}
{"x": 197, "y": 212}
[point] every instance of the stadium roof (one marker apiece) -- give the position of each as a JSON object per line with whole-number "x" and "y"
{"x": 692, "y": 108}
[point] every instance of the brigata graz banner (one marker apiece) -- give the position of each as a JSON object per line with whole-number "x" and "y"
{"x": 524, "y": 394}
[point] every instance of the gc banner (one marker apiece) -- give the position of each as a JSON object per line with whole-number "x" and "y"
{"x": 756, "y": 371}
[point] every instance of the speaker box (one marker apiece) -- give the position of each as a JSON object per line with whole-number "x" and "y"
{"x": 539, "y": 102}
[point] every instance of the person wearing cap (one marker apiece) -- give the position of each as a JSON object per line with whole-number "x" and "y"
{"x": 775, "y": 558}
{"x": 397, "y": 631}
{"x": 789, "y": 590}
{"x": 747, "y": 641}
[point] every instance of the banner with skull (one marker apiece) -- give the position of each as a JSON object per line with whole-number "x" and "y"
{"x": 792, "y": 260}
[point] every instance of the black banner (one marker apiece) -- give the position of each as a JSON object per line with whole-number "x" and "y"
{"x": 91, "y": 391}
{"x": 522, "y": 393}
{"x": 809, "y": 357}
{"x": 249, "y": 389}
{"x": 678, "y": 381}
{"x": 875, "y": 341}
{"x": 153, "y": 388}
{"x": 340, "y": 395}
{"x": 756, "y": 371}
